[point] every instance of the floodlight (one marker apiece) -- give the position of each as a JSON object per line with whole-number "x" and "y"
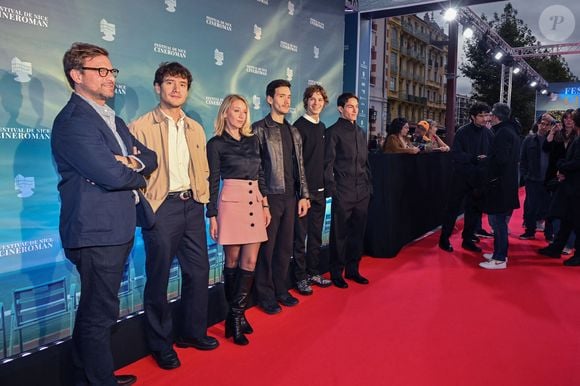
{"x": 468, "y": 32}
{"x": 450, "y": 14}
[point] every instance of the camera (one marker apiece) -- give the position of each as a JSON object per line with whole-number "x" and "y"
{"x": 554, "y": 122}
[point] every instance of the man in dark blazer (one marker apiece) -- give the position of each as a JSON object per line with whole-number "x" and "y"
{"x": 101, "y": 166}
{"x": 502, "y": 178}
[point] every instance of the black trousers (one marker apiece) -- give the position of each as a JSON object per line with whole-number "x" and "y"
{"x": 101, "y": 270}
{"x": 308, "y": 238}
{"x": 347, "y": 230}
{"x": 179, "y": 230}
{"x": 460, "y": 194}
{"x": 536, "y": 204}
{"x": 569, "y": 224}
{"x": 275, "y": 253}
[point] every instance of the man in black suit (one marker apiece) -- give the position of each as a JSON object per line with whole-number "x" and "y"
{"x": 101, "y": 166}
{"x": 347, "y": 180}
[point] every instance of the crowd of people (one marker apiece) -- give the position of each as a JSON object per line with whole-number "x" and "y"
{"x": 263, "y": 186}
{"x": 491, "y": 162}
{"x": 423, "y": 139}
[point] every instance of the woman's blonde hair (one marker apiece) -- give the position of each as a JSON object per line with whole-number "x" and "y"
{"x": 220, "y": 121}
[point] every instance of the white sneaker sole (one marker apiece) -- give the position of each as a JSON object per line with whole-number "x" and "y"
{"x": 493, "y": 265}
{"x": 489, "y": 256}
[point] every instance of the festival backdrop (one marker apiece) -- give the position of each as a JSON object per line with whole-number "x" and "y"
{"x": 230, "y": 46}
{"x": 562, "y": 96}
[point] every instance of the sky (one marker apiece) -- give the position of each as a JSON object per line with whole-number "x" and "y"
{"x": 551, "y": 23}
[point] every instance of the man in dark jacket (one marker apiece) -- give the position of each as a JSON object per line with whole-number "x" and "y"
{"x": 533, "y": 166}
{"x": 101, "y": 166}
{"x": 281, "y": 153}
{"x": 502, "y": 179}
{"x": 469, "y": 148}
{"x": 347, "y": 180}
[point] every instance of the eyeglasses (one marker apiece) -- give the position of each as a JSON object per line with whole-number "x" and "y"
{"x": 103, "y": 72}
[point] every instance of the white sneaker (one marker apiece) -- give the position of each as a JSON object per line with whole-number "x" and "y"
{"x": 493, "y": 264}
{"x": 566, "y": 251}
{"x": 489, "y": 256}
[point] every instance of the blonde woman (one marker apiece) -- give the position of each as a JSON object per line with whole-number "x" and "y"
{"x": 239, "y": 214}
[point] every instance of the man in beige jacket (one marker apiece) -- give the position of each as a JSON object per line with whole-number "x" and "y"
{"x": 177, "y": 192}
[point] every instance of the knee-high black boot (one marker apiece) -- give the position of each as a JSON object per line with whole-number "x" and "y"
{"x": 244, "y": 282}
{"x": 229, "y": 283}
{"x": 229, "y": 288}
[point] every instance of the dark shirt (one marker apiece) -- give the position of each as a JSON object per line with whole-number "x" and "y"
{"x": 346, "y": 170}
{"x": 313, "y": 152}
{"x": 232, "y": 159}
{"x": 470, "y": 141}
{"x": 288, "y": 154}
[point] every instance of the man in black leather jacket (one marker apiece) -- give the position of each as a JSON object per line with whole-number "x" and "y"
{"x": 287, "y": 191}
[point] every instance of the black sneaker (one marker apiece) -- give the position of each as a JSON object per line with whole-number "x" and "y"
{"x": 287, "y": 300}
{"x": 470, "y": 246}
{"x": 574, "y": 261}
{"x": 484, "y": 234}
{"x": 550, "y": 252}
{"x": 528, "y": 235}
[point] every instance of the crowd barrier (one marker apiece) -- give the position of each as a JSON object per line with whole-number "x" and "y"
{"x": 409, "y": 194}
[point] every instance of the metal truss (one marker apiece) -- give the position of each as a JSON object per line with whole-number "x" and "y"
{"x": 547, "y": 50}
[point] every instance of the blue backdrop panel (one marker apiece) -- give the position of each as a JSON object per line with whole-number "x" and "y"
{"x": 229, "y": 46}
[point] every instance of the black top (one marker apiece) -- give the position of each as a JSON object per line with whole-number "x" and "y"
{"x": 229, "y": 158}
{"x": 288, "y": 154}
{"x": 312, "y": 151}
{"x": 346, "y": 170}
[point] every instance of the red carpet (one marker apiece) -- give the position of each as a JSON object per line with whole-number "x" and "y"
{"x": 428, "y": 318}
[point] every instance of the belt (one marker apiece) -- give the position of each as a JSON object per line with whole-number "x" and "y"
{"x": 183, "y": 195}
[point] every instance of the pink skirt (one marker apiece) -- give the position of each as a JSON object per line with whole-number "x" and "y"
{"x": 240, "y": 214}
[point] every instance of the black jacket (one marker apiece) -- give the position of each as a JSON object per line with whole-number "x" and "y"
{"x": 271, "y": 153}
{"x": 530, "y": 159}
{"x": 501, "y": 168}
{"x": 470, "y": 141}
{"x": 347, "y": 175}
{"x": 570, "y": 168}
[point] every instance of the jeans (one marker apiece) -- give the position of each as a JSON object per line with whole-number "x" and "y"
{"x": 499, "y": 223}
